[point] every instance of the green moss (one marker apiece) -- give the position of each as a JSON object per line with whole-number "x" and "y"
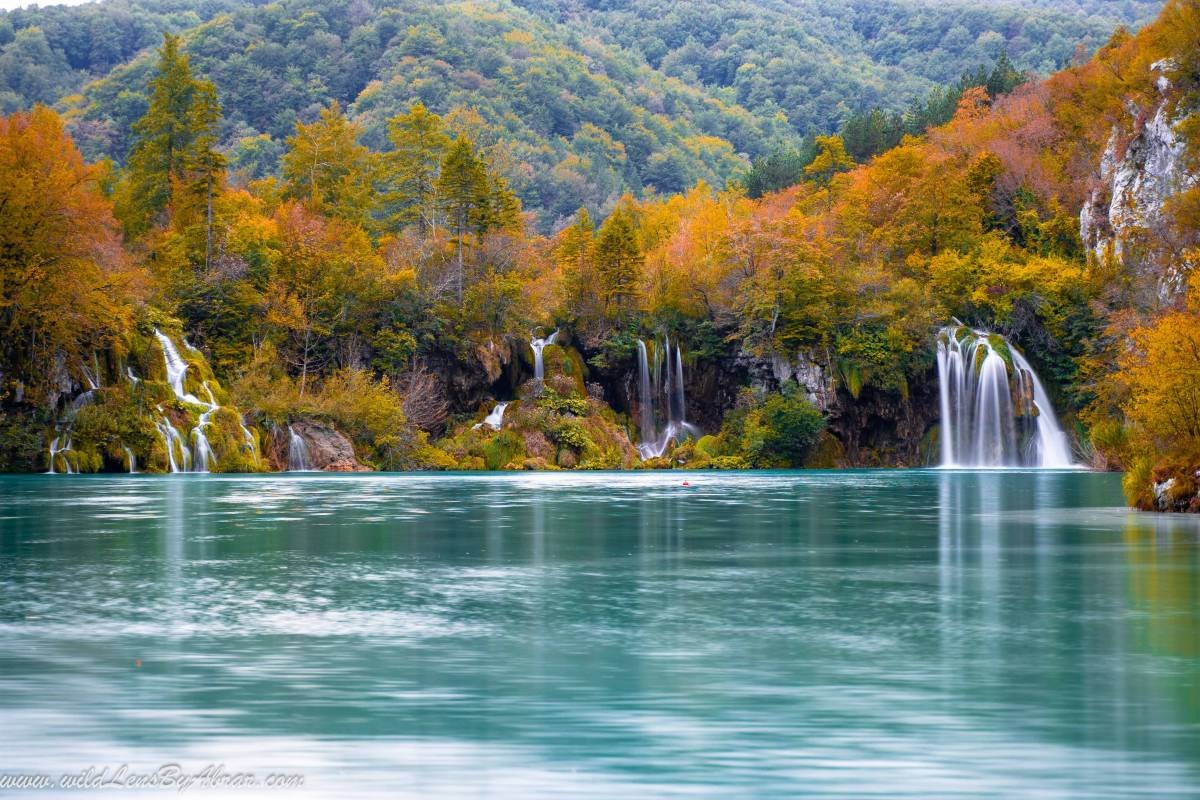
{"x": 571, "y": 434}
{"x": 852, "y": 378}
{"x": 551, "y": 400}
{"x": 729, "y": 462}
{"x": 502, "y": 448}
{"x": 708, "y": 447}
{"x": 1000, "y": 346}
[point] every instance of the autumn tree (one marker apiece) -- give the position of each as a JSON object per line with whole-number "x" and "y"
{"x": 1162, "y": 375}
{"x": 326, "y": 280}
{"x": 327, "y": 168}
{"x": 831, "y": 159}
{"x": 618, "y": 260}
{"x": 64, "y": 280}
{"x": 575, "y": 254}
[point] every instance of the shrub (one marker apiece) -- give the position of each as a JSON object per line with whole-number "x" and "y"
{"x": 553, "y": 401}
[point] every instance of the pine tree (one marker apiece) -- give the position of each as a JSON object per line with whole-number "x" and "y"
{"x": 162, "y": 138}
{"x": 1004, "y": 77}
{"x": 205, "y": 165}
{"x": 575, "y": 254}
{"x": 504, "y": 207}
{"x": 463, "y": 189}
{"x": 411, "y": 168}
{"x": 619, "y": 260}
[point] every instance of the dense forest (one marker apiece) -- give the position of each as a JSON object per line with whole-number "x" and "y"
{"x": 589, "y": 101}
{"x": 375, "y": 284}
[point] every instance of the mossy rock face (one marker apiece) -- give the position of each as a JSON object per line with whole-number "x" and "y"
{"x": 550, "y": 425}
{"x": 562, "y": 365}
{"x": 708, "y": 447}
{"x": 123, "y": 411}
{"x": 828, "y": 453}
{"x": 504, "y": 447}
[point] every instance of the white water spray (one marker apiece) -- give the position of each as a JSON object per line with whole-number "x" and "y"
{"x": 298, "y": 456}
{"x": 494, "y": 419}
{"x": 660, "y": 389}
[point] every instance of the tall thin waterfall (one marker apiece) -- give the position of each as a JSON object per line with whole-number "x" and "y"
{"x": 132, "y": 460}
{"x": 298, "y": 456}
{"x": 538, "y": 345}
{"x": 645, "y": 404}
{"x": 995, "y": 412}
{"x": 661, "y": 400}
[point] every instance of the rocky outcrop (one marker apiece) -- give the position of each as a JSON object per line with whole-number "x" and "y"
{"x": 329, "y": 450}
{"x": 1141, "y": 170}
{"x": 771, "y": 372}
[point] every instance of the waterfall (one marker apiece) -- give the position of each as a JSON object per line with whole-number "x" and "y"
{"x": 538, "y": 345}
{"x": 995, "y": 411}
{"x": 298, "y": 457}
{"x": 92, "y": 375}
{"x": 62, "y": 431}
{"x": 645, "y": 408}
{"x": 173, "y": 443}
{"x": 661, "y": 389}
{"x": 204, "y": 452}
{"x": 494, "y": 419}
{"x": 677, "y": 388}
{"x": 55, "y": 449}
{"x": 249, "y": 437}
{"x": 132, "y": 461}
{"x": 177, "y": 368}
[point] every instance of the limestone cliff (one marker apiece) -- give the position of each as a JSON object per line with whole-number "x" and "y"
{"x": 1142, "y": 168}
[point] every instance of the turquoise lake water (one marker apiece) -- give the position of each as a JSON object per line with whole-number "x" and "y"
{"x": 858, "y": 634}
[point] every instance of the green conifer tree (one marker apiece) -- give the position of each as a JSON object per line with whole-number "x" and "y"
{"x": 412, "y": 167}
{"x": 463, "y": 189}
{"x": 619, "y": 260}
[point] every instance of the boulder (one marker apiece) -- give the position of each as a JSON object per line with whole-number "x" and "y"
{"x": 329, "y": 449}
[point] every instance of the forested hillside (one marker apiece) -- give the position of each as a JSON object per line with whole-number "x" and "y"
{"x": 578, "y": 102}
{"x": 388, "y": 292}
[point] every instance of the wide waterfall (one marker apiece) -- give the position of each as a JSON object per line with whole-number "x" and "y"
{"x": 494, "y": 419}
{"x": 662, "y": 406}
{"x": 538, "y": 345}
{"x": 299, "y": 459}
{"x": 995, "y": 412}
